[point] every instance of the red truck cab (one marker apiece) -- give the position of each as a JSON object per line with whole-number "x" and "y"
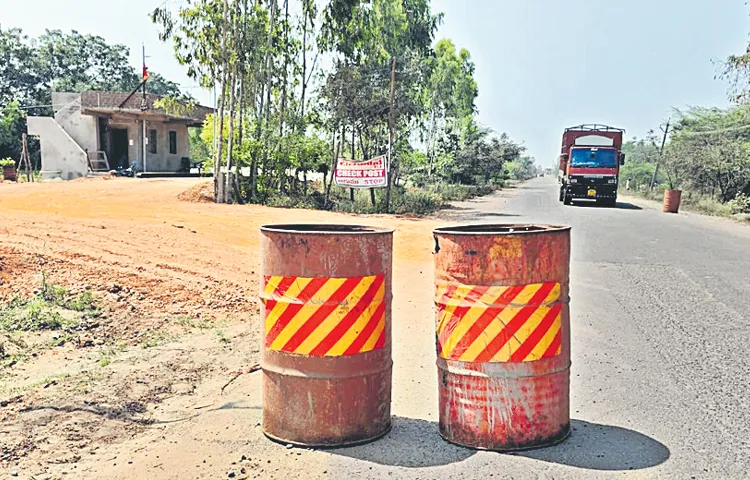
{"x": 590, "y": 161}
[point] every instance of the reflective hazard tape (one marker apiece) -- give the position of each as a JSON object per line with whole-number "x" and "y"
{"x": 499, "y": 324}
{"x": 324, "y": 317}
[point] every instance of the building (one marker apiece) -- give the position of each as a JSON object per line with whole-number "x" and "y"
{"x": 99, "y": 131}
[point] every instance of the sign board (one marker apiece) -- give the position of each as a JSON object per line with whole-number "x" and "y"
{"x": 595, "y": 140}
{"x": 361, "y": 174}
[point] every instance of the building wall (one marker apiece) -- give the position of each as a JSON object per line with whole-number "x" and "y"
{"x": 59, "y": 150}
{"x": 82, "y": 128}
{"x": 66, "y": 138}
{"x": 163, "y": 161}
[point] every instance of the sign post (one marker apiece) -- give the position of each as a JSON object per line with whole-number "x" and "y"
{"x": 361, "y": 174}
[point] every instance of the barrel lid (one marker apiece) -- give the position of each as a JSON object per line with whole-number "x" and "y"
{"x": 500, "y": 229}
{"x": 325, "y": 229}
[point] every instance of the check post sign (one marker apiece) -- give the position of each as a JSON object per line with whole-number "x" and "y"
{"x": 361, "y": 174}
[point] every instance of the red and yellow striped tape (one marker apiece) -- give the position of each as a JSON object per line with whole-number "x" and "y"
{"x": 324, "y": 317}
{"x": 499, "y": 324}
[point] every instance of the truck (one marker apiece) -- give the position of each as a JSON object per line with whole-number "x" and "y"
{"x": 590, "y": 160}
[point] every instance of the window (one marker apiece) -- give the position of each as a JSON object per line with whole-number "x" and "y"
{"x": 594, "y": 158}
{"x": 152, "y": 141}
{"x": 172, "y": 142}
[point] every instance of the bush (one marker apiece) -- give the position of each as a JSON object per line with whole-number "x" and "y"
{"x": 418, "y": 201}
{"x": 459, "y": 193}
{"x": 314, "y": 201}
{"x": 740, "y": 204}
{"x": 639, "y": 174}
{"x": 7, "y": 162}
{"x": 707, "y": 206}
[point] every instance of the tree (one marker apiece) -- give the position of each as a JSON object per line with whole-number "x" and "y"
{"x": 12, "y": 126}
{"x": 451, "y": 94}
{"x": 283, "y": 117}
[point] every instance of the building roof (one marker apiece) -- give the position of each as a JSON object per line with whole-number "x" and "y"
{"x": 109, "y": 103}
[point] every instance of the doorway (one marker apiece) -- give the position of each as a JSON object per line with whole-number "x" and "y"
{"x": 118, "y": 148}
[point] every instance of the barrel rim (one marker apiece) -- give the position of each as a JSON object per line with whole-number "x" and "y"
{"x": 501, "y": 229}
{"x": 325, "y": 229}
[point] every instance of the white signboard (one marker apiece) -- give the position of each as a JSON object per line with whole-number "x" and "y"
{"x": 595, "y": 140}
{"x": 361, "y": 174}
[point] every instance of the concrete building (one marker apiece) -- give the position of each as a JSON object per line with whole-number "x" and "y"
{"x": 90, "y": 127}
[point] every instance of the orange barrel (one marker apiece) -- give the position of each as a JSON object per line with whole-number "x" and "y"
{"x": 326, "y": 355}
{"x": 672, "y": 200}
{"x": 503, "y": 335}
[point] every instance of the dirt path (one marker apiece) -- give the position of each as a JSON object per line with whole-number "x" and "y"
{"x": 139, "y": 394}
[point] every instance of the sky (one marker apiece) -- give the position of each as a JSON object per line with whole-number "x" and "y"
{"x": 541, "y": 65}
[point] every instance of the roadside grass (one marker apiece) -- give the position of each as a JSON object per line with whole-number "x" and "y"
{"x": 154, "y": 339}
{"x": 193, "y": 323}
{"x": 222, "y": 336}
{"x": 53, "y": 309}
{"x": 691, "y": 202}
{"x": 412, "y": 199}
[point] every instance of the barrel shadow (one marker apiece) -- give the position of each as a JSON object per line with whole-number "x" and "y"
{"x": 411, "y": 443}
{"x": 603, "y": 447}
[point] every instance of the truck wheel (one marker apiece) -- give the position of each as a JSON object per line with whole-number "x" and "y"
{"x": 562, "y": 194}
{"x": 568, "y": 199}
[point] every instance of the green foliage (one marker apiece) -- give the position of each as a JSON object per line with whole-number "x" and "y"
{"x": 288, "y": 118}
{"x": 30, "y": 316}
{"x": 7, "y": 162}
{"x": 199, "y": 151}
{"x": 740, "y": 204}
{"x": 639, "y": 174}
{"x": 521, "y": 169}
{"x": 416, "y": 201}
{"x": 708, "y": 152}
{"x": 12, "y": 126}
{"x": 707, "y": 156}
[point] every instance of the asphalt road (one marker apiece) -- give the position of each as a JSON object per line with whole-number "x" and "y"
{"x": 661, "y": 364}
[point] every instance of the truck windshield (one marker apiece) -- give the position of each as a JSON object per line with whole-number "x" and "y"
{"x": 595, "y": 158}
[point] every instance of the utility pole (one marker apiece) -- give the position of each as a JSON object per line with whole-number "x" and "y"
{"x": 661, "y": 153}
{"x": 144, "y": 105}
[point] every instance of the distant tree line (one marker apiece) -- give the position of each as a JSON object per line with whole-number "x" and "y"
{"x": 301, "y": 83}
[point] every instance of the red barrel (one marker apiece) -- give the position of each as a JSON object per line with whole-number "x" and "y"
{"x": 503, "y": 335}
{"x": 326, "y": 355}
{"x": 672, "y": 200}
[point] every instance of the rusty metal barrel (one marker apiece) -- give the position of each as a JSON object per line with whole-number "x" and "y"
{"x": 503, "y": 335}
{"x": 672, "y": 201}
{"x": 326, "y": 355}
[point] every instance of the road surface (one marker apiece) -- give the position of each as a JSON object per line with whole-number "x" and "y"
{"x": 661, "y": 365}
{"x": 660, "y": 375}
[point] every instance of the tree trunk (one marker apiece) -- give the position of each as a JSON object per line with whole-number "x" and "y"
{"x": 336, "y": 150}
{"x": 220, "y": 134}
{"x": 391, "y": 120}
{"x": 230, "y": 142}
{"x": 282, "y": 112}
{"x": 303, "y": 74}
